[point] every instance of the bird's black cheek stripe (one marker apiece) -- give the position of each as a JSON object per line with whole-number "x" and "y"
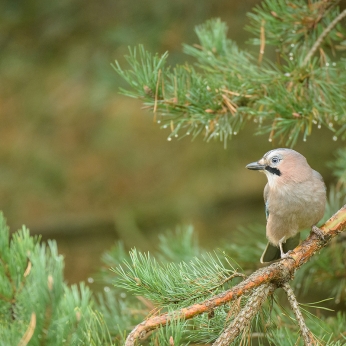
{"x": 273, "y": 170}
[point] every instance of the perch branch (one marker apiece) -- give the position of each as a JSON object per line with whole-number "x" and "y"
{"x": 243, "y": 319}
{"x": 325, "y": 32}
{"x": 304, "y": 330}
{"x": 277, "y": 273}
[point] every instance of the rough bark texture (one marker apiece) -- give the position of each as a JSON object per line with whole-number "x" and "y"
{"x": 243, "y": 319}
{"x": 308, "y": 337}
{"x": 277, "y": 273}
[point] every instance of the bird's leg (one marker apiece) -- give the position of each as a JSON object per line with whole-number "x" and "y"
{"x": 281, "y": 250}
{"x": 282, "y": 240}
{"x": 287, "y": 254}
{"x": 317, "y": 231}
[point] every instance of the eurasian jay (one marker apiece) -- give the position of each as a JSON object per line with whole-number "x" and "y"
{"x": 294, "y": 197}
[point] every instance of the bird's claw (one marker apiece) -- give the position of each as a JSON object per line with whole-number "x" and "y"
{"x": 318, "y": 232}
{"x": 287, "y": 255}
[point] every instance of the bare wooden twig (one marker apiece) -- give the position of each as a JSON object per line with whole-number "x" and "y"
{"x": 277, "y": 273}
{"x": 243, "y": 319}
{"x": 325, "y": 32}
{"x": 29, "y": 332}
{"x": 308, "y": 337}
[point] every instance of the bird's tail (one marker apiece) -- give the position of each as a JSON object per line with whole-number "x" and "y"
{"x": 272, "y": 253}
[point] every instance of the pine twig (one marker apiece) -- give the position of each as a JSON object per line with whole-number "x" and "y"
{"x": 243, "y": 319}
{"x": 308, "y": 337}
{"x": 325, "y": 32}
{"x": 263, "y": 42}
{"x": 29, "y": 332}
{"x": 277, "y": 273}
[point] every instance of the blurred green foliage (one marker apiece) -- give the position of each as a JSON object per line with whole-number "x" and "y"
{"x": 69, "y": 142}
{"x": 82, "y": 164}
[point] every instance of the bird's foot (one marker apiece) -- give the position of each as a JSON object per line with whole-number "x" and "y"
{"x": 287, "y": 254}
{"x": 318, "y": 232}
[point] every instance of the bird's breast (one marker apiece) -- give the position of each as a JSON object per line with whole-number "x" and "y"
{"x": 302, "y": 204}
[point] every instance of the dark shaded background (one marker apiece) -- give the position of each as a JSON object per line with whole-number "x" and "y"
{"x": 86, "y": 166}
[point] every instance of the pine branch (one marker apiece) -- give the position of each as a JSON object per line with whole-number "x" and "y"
{"x": 34, "y": 300}
{"x": 29, "y": 332}
{"x": 304, "y": 330}
{"x": 173, "y": 283}
{"x": 324, "y": 34}
{"x": 243, "y": 319}
{"x": 227, "y": 87}
{"x": 277, "y": 273}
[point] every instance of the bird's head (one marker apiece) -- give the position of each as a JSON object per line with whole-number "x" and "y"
{"x": 282, "y": 165}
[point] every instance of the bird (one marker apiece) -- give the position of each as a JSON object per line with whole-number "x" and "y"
{"x": 294, "y": 197}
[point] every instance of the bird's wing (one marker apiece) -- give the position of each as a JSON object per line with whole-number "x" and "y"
{"x": 265, "y": 195}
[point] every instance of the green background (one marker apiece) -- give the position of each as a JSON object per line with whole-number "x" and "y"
{"x": 86, "y": 166}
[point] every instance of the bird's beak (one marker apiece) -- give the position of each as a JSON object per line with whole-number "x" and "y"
{"x": 255, "y": 166}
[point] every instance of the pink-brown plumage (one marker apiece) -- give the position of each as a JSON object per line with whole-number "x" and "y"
{"x": 295, "y": 195}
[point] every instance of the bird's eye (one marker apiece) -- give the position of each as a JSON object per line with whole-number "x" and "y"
{"x": 275, "y": 160}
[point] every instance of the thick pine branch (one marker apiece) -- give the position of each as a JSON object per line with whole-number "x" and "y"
{"x": 277, "y": 273}
{"x": 243, "y": 319}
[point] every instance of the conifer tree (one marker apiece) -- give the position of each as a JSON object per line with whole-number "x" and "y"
{"x": 227, "y": 87}
{"x": 36, "y": 306}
